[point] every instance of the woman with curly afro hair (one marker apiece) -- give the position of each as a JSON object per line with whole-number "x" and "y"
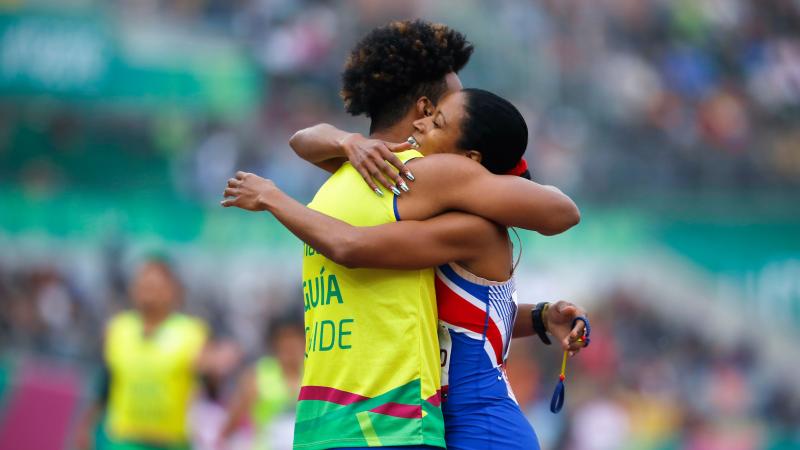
{"x": 395, "y": 75}
{"x": 394, "y": 66}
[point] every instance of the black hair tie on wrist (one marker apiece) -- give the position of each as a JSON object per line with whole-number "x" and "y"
{"x": 538, "y": 322}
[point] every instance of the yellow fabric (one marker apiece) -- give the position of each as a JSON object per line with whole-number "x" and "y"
{"x": 368, "y": 331}
{"x": 274, "y": 396}
{"x": 152, "y": 378}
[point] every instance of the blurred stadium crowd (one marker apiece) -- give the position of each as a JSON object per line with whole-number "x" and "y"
{"x": 626, "y": 99}
{"x": 706, "y": 93}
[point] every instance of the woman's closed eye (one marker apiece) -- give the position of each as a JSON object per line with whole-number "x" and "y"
{"x": 438, "y": 120}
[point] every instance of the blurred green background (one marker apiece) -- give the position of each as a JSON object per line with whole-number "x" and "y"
{"x": 675, "y": 125}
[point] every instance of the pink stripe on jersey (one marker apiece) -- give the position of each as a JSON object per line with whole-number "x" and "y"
{"x": 329, "y": 394}
{"x": 399, "y": 410}
{"x": 435, "y": 399}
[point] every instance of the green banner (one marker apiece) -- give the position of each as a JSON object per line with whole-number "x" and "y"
{"x": 83, "y": 58}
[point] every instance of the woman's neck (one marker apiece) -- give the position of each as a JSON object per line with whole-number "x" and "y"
{"x": 396, "y": 133}
{"x": 394, "y": 136}
{"x": 291, "y": 372}
{"x": 152, "y": 320}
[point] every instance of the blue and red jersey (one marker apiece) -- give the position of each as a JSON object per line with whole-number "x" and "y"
{"x": 476, "y": 319}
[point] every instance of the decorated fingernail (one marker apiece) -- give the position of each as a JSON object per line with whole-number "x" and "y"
{"x": 410, "y": 176}
{"x": 403, "y": 186}
{"x": 395, "y": 190}
{"x": 379, "y": 192}
{"x": 413, "y": 142}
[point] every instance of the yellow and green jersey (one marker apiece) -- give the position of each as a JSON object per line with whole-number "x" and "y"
{"x": 151, "y": 377}
{"x": 372, "y": 371}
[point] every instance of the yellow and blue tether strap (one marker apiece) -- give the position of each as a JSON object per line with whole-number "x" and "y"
{"x": 557, "y": 402}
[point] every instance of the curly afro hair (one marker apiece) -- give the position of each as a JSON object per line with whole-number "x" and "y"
{"x": 394, "y": 65}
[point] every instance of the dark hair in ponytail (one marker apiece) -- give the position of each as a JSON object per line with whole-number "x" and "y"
{"x": 495, "y": 128}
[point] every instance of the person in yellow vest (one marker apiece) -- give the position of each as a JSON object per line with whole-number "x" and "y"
{"x": 268, "y": 390}
{"x": 151, "y": 354}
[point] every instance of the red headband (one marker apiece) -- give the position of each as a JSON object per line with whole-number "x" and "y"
{"x": 519, "y": 169}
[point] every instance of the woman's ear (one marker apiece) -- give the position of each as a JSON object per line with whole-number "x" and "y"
{"x": 474, "y": 155}
{"x": 424, "y": 107}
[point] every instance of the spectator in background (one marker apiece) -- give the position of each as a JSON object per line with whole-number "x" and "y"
{"x": 268, "y": 390}
{"x": 151, "y": 356}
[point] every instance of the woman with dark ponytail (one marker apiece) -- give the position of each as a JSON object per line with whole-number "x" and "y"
{"x": 475, "y": 290}
{"x": 490, "y": 130}
{"x": 494, "y": 128}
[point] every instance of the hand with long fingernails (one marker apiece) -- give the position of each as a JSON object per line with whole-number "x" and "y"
{"x": 375, "y": 160}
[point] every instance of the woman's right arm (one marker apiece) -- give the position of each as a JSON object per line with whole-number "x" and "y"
{"x": 320, "y": 145}
{"x": 407, "y": 244}
{"x": 242, "y": 402}
{"x": 328, "y": 148}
